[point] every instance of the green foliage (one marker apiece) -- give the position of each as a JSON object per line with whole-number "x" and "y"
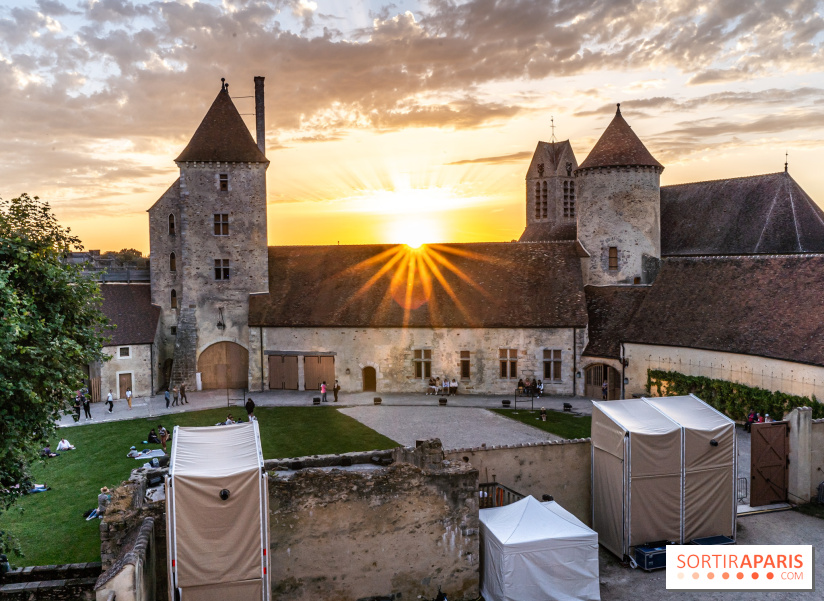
{"x": 733, "y": 399}
{"x": 51, "y": 528}
{"x": 50, "y": 321}
{"x": 564, "y": 425}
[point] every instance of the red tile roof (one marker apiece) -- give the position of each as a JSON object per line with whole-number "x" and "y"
{"x": 610, "y": 309}
{"x": 222, "y": 136}
{"x": 765, "y": 305}
{"x": 619, "y": 147}
{"x": 768, "y": 214}
{"x": 130, "y": 308}
{"x": 493, "y": 285}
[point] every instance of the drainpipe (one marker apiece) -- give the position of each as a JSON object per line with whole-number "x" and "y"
{"x": 574, "y": 361}
{"x": 623, "y": 372}
{"x": 260, "y": 328}
{"x": 151, "y": 371}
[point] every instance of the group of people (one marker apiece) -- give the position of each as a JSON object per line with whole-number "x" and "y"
{"x": 324, "y": 389}
{"x": 446, "y": 387}
{"x": 757, "y": 418}
{"x": 63, "y": 445}
{"x": 161, "y": 436}
{"x": 531, "y": 387}
{"x": 177, "y": 396}
{"x": 81, "y": 400}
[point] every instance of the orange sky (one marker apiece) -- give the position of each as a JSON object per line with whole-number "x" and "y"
{"x": 410, "y": 122}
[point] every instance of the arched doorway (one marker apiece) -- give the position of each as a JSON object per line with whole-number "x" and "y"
{"x": 595, "y": 376}
{"x": 370, "y": 379}
{"x": 224, "y": 365}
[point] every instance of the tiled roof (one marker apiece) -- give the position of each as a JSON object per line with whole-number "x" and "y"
{"x": 547, "y": 232}
{"x": 619, "y": 147}
{"x": 765, "y": 305}
{"x": 222, "y": 136}
{"x": 554, "y": 157}
{"x": 129, "y": 307}
{"x": 610, "y": 310}
{"x": 768, "y": 214}
{"x": 455, "y": 285}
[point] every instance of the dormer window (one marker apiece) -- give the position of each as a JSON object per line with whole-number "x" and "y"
{"x": 171, "y": 225}
{"x": 223, "y": 182}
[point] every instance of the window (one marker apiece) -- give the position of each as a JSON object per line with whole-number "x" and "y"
{"x": 544, "y": 201}
{"x": 124, "y": 352}
{"x": 464, "y": 365}
{"x": 552, "y": 365}
{"x": 223, "y": 180}
{"x": 569, "y": 199}
{"x": 172, "y": 262}
{"x": 171, "y": 225}
{"x": 423, "y": 363}
{"x": 537, "y": 200}
{"x": 221, "y": 224}
{"x": 173, "y": 330}
{"x": 221, "y": 269}
{"x": 174, "y": 299}
{"x": 509, "y": 362}
{"x": 613, "y": 257}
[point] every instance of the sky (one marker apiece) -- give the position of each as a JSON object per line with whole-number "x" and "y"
{"x": 397, "y": 122}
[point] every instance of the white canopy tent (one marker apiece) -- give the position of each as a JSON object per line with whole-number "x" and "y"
{"x": 217, "y": 515}
{"x": 532, "y": 550}
{"x": 662, "y": 469}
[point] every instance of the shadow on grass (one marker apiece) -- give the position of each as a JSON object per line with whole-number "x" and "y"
{"x": 564, "y": 425}
{"x": 50, "y": 526}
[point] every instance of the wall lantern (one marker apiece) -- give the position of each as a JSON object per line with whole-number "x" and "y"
{"x": 577, "y": 374}
{"x": 626, "y": 381}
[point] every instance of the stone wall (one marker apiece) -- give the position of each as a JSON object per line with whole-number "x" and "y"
{"x": 390, "y": 351}
{"x": 69, "y": 582}
{"x": 139, "y": 364}
{"x": 561, "y": 469}
{"x": 816, "y": 456}
{"x": 390, "y": 533}
{"x": 133, "y": 575}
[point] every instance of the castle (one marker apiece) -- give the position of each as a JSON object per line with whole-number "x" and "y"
{"x": 622, "y": 275}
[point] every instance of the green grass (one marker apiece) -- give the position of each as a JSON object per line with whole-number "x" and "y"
{"x": 50, "y": 527}
{"x": 564, "y": 425}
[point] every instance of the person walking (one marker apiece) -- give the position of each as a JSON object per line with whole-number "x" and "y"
{"x": 162, "y": 433}
{"x": 323, "y": 391}
{"x": 110, "y": 400}
{"x": 129, "y": 397}
{"x": 87, "y": 407}
{"x": 168, "y": 398}
{"x": 174, "y": 396}
{"x": 604, "y": 390}
{"x": 336, "y": 390}
{"x": 250, "y": 408}
{"x": 183, "y": 398}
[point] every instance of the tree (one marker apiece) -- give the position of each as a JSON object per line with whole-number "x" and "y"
{"x": 50, "y": 328}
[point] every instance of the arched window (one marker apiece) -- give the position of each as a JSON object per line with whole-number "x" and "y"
{"x": 544, "y": 202}
{"x": 172, "y": 262}
{"x": 537, "y": 200}
{"x": 174, "y": 299}
{"x": 569, "y": 199}
{"x": 171, "y": 225}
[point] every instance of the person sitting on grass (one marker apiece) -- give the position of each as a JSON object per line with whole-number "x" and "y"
{"x": 152, "y": 438}
{"x": 229, "y": 420}
{"x": 47, "y": 453}
{"x": 64, "y": 445}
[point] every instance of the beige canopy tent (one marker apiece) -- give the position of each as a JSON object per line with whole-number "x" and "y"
{"x": 217, "y": 515}
{"x": 662, "y": 469}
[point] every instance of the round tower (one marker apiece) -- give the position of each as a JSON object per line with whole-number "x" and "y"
{"x": 619, "y": 209}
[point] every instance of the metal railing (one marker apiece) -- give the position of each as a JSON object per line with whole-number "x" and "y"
{"x": 743, "y": 489}
{"x": 493, "y": 494}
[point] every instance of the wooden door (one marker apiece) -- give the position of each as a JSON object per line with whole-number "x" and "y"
{"x": 224, "y": 365}
{"x": 370, "y": 381}
{"x": 124, "y": 381}
{"x": 318, "y": 369}
{"x": 283, "y": 372}
{"x": 768, "y": 463}
{"x": 595, "y": 376}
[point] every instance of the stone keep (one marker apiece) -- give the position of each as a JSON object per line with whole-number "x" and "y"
{"x": 208, "y": 238}
{"x": 619, "y": 209}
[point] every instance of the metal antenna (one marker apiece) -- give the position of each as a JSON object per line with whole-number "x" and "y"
{"x": 552, "y": 121}
{"x": 786, "y": 160}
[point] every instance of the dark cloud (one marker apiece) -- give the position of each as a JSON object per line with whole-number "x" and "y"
{"x": 515, "y": 157}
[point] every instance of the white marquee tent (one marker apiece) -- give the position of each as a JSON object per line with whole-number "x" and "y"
{"x": 532, "y": 550}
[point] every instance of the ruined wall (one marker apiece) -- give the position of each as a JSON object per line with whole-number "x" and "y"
{"x": 133, "y": 575}
{"x": 386, "y": 533}
{"x": 561, "y": 469}
{"x": 391, "y": 352}
{"x": 139, "y": 364}
{"x": 619, "y": 207}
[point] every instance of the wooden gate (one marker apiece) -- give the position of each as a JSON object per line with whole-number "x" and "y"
{"x": 595, "y": 376}
{"x": 370, "y": 380}
{"x": 318, "y": 369}
{"x": 224, "y": 365}
{"x": 768, "y": 463}
{"x": 283, "y": 372}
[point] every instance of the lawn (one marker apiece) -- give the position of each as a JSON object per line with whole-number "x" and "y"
{"x": 564, "y": 425}
{"x": 50, "y": 526}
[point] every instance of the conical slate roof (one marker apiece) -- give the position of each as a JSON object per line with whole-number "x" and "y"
{"x": 222, "y": 136}
{"x": 619, "y": 147}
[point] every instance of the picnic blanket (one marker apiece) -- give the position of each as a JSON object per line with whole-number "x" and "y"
{"x": 143, "y": 455}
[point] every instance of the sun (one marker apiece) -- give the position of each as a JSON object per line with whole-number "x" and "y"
{"x": 414, "y": 232}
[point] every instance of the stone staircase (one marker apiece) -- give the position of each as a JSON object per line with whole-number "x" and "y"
{"x": 185, "y": 364}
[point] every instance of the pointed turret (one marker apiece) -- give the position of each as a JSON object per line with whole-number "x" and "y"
{"x": 222, "y": 136}
{"x": 619, "y": 147}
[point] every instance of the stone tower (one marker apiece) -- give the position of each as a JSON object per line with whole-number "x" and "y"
{"x": 551, "y": 193}
{"x": 209, "y": 247}
{"x": 619, "y": 209}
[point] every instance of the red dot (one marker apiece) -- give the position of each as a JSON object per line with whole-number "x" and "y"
{"x": 725, "y": 575}
{"x": 740, "y": 575}
{"x": 755, "y": 575}
{"x": 710, "y": 575}
{"x": 769, "y": 575}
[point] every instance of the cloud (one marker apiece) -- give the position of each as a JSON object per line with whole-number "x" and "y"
{"x": 515, "y": 157}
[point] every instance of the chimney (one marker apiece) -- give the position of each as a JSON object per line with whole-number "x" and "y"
{"x": 260, "y": 117}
